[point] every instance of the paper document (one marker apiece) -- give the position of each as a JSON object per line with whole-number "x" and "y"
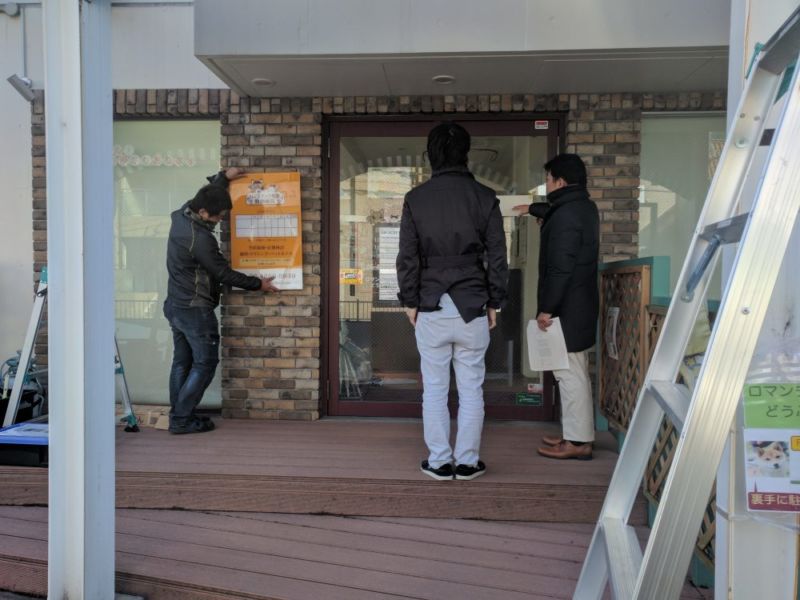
{"x": 547, "y": 350}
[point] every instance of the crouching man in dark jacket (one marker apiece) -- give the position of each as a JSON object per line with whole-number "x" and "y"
{"x": 452, "y": 272}
{"x": 197, "y": 270}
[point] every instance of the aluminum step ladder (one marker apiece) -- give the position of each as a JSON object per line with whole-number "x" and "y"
{"x": 129, "y": 418}
{"x": 704, "y": 416}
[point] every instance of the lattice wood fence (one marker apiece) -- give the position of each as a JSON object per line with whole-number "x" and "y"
{"x": 624, "y": 296}
{"x": 663, "y": 452}
{"x": 629, "y": 331}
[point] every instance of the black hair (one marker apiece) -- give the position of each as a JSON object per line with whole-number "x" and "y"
{"x": 568, "y": 167}
{"x": 448, "y": 146}
{"x": 213, "y": 198}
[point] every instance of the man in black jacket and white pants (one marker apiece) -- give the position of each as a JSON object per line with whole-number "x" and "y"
{"x": 197, "y": 269}
{"x": 452, "y": 272}
{"x": 568, "y": 255}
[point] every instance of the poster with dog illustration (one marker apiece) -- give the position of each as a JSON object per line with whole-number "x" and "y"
{"x": 266, "y": 227}
{"x": 772, "y": 447}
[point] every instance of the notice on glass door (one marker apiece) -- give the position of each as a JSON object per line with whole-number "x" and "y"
{"x": 266, "y": 227}
{"x": 387, "y": 246}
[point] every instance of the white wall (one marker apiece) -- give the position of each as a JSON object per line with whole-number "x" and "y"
{"x": 16, "y": 245}
{"x": 152, "y": 47}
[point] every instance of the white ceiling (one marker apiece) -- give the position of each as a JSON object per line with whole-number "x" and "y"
{"x": 678, "y": 70}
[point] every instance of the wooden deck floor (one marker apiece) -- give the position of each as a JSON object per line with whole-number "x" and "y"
{"x": 179, "y": 555}
{"x": 343, "y": 467}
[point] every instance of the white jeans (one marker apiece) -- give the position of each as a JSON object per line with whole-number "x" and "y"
{"x": 577, "y": 408}
{"x": 441, "y": 339}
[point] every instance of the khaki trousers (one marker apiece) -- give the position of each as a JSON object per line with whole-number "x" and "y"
{"x": 577, "y": 407}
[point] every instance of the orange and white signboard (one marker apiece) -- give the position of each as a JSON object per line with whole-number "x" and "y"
{"x": 266, "y": 227}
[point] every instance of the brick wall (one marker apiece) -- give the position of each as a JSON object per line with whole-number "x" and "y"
{"x": 605, "y": 129}
{"x": 39, "y": 206}
{"x": 271, "y": 344}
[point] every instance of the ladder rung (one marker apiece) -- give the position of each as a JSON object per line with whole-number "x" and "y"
{"x": 728, "y": 231}
{"x": 624, "y": 556}
{"x": 781, "y": 49}
{"x": 674, "y": 399}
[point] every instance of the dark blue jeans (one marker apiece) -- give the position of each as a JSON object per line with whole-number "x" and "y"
{"x": 195, "y": 335}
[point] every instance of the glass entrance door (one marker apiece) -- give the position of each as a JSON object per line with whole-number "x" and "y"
{"x": 372, "y": 362}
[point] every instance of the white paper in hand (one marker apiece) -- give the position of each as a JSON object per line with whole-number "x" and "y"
{"x": 547, "y": 350}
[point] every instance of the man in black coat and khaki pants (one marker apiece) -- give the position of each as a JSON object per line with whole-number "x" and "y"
{"x": 568, "y": 256}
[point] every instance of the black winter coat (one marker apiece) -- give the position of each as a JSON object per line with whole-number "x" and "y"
{"x": 568, "y": 255}
{"x": 195, "y": 264}
{"x": 452, "y": 240}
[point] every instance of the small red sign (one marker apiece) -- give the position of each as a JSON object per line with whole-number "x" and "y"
{"x": 543, "y": 124}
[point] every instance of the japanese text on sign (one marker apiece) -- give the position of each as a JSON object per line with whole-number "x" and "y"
{"x": 266, "y": 227}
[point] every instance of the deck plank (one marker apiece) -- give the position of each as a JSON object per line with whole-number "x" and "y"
{"x": 320, "y": 467}
{"x": 179, "y": 555}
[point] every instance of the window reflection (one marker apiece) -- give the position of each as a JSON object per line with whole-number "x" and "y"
{"x": 158, "y": 165}
{"x": 678, "y": 159}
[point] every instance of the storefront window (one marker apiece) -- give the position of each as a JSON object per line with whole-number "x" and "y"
{"x": 679, "y": 157}
{"x": 158, "y": 165}
{"x": 678, "y": 160}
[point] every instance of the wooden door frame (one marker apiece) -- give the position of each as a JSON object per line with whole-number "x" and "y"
{"x": 333, "y": 129}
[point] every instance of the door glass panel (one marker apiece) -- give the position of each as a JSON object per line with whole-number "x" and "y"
{"x": 378, "y": 359}
{"x": 158, "y": 165}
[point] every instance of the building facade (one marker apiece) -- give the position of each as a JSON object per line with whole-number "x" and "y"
{"x": 339, "y": 346}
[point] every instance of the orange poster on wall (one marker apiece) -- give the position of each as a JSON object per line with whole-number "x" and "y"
{"x": 266, "y": 227}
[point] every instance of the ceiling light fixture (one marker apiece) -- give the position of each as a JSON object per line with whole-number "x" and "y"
{"x": 443, "y": 79}
{"x": 263, "y": 82}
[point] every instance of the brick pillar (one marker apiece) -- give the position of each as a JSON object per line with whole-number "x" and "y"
{"x": 604, "y": 129}
{"x": 39, "y": 206}
{"x": 271, "y": 343}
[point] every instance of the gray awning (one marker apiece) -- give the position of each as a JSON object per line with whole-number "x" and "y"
{"x": 393, "y": 47}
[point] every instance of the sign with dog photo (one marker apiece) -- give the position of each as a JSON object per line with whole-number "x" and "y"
{"x": 266, "y": 227}
{"x": 772, "y": 446}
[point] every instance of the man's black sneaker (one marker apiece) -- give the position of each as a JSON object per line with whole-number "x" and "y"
{"x": 193, "y": 426}
{"x": 465, "y": 472}
{"x": 443, "y": 473}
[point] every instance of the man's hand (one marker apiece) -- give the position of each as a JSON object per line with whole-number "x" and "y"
{"x": 491, "y": 314}
{"x": 544, "y": 320}
{"x": 232, "y": 173}
{"x": 411, "y": 313}
{"x": 521, "y": 209}
{"x": 266, "y": 284}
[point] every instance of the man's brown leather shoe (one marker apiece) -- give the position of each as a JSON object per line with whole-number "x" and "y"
{"x": 552, "y": 440}
{"x": 566, "y": 450}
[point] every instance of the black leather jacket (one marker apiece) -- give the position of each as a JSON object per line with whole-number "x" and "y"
{"x": 452, "y": 240}
{"x": 195, "y": 264}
